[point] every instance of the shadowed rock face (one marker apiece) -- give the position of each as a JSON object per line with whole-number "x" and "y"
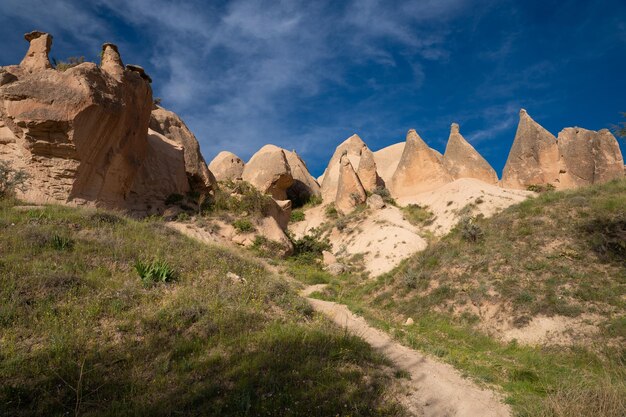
{"x": 170, "y": 125}
{"x": 367, "y": 171}
{"x": 420, "y": 169}
{"x": 588, "y": 157}
{"x": 461, "y": 160}
{"x": 353, "y": 147}
{"x": 350, "y": 191}
{"x": 227, "y": 166}
{"x": 269, "y": 172}
{"x": 534, "y": 156}
{"x": 304, "y": 185}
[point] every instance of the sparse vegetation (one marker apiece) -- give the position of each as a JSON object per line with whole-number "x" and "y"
{"x": 11, "y": 180}
{"x": 418, "y": 215}
{"x": 385, "y": 194}
{"x": 82, "y": 335}
{"x": 155, "y": 271}
{"x": 558, "y": 255}
{"x": 540, "y": 188}
{"x": 297, "y": 216}
{"x": 71, "y": 62}
{"x": 243, "y": 225}
{"x": 331, "y": 212}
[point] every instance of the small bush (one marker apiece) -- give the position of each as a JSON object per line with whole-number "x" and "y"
{"x": 310, "y": 246}
{"x": 100, "y": 218}
{"x": 418, "y": 215}
{"x": 155, "y": 271}
{"x": 70, "y": 63}
{"x": 243, "y": 225}
{"x": 470, "y": 231}
{"x": 297, "y": 216}
{"x": 385, "y": 194}
{"x": 11, "y": 180}
{"x": 62, "y": 242}
{"x": 331, "y": 211}
{"x": 540, "y": 188}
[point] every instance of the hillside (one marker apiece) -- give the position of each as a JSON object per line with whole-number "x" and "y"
{"x": 82, "y": 334}
{"x": 531, "y": 300}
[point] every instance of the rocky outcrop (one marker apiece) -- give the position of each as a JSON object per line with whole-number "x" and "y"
{"x": 79, "y": 134}
{"x": 461, "y": 160}
{"x": 111, "y": 62}
{"x": 420, "y": 169}
{"x": 367, "y": 171}
{"x": 269, "y": 172}
{"x": 352, "y": 147}
{"x": 36, "y": 58}
{"x": 588, "y": 157}
{"x": 534, "y": 156}
{"x": 350, "y": 191}
{"x": 304, "y": 185}
{"x": 227, "y": 166}
{"x": 387, "y": 160}
{"x": 170, "y": 125}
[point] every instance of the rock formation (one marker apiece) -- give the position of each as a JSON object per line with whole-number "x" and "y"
{"x": 352, "y": 146}
{"x": 111, "y": 62}
{"x": 461, "y": 160}
{"x": 588, "y": 157}
{"x": 419, "y": 169}
{"x": 170, "y": 125}
{"x": 36, "y": 59}
{"x": 534, "y": 156}
{"x": 350, "y": 191}
{"x": 367, "y": 172}
{"x": 269, "y": 172}
{"x": 387, "y": 160}
{"x": 304, "y": 185}
{"x": 79, "y": 134}
{"x": 227, "y": 166}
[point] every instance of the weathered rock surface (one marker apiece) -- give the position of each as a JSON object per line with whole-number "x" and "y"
{"x": 36, "y": 58}
{"x": 112, "y": 62}
{"x": 387, "y": 160}
{"x": 350, "y": 192}
{"x": 170, "y": 125}
{"x": 79, "y": 134}
{"x": 534, "y": 156}
{"x": 419, "y": 169}
{"x": 353, "y": 147}
{"x": 375, "y": 202}
{"x": 588, "y": 157}
{"x": 227, "y": 166}
{"x": 367, "y": 172}
{"x": 461, "y": 160}
{"x": 304, "y": 185}
{"x": 269, "y": 172}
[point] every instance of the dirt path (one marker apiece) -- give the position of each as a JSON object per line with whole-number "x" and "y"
{"x": 437, "y": 389}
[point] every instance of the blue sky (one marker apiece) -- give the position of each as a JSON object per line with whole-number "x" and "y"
{"x": 305, "y": 75}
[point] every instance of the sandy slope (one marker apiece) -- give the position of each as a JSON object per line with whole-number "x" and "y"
{"x": 448, "y": 201}
{"x": 437, "y": 389}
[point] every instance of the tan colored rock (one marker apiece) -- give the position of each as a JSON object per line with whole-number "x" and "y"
{"x": 269, "y": 172}
{"x": 461, "y": 160}
{"x": 375, "y": 202}
{"x": 36, "y": 58}
{"x": 111, "y": 62}
{"x": 419, "y": 169}
{"x": 270, "y": 229}
{"x": 280, "y": 210}
{"x": 387, "y": 160}
{"x": 170, "y": 125}
{"x": 350, "y": 192}
{"x": 352, "y": 146}
{"x": 534, "y": 156}
{"x": 588, "y": 157}
{"x": 227, "y": 166}
{"x": 328, "y": 258}
{"x": 367, "y": 172}
{"x": 304, "y": 185}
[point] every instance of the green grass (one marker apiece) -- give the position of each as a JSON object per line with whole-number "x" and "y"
{"x": 561, "y": 253}
{"x": 417, "y": 215}
{"x": 81, "y": 335}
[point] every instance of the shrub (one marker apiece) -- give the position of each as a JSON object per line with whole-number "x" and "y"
{"x": 10, "y": 180}
{"x": 62, "y": 242}
{"x": 385, "y": 194}
{"x": 540, "y": 188}
{"x": 331, "y": 211}
{"x": 70, "y": 63}
{"x": 243, "y": 225}
{"x": 418, "y": 215}
{"x": 470, "y": 231}
{"x": 155, "y": 271}
{"x": 310, "y": 245}
{"x": 297, "y": 216}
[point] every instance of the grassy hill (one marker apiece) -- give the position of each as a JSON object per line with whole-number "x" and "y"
{"x": 560, "y": 258}
{"x": 82, "y": 334}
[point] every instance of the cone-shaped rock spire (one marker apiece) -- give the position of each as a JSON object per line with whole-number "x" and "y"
{"x": 367, "y": 171}
{"x": 350, "y": 191}
{"x": 461, "y": 160}
{"x": 353, "y": 146}
{"x": 419, "y": 169}
{"x": 111, "y": 61}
